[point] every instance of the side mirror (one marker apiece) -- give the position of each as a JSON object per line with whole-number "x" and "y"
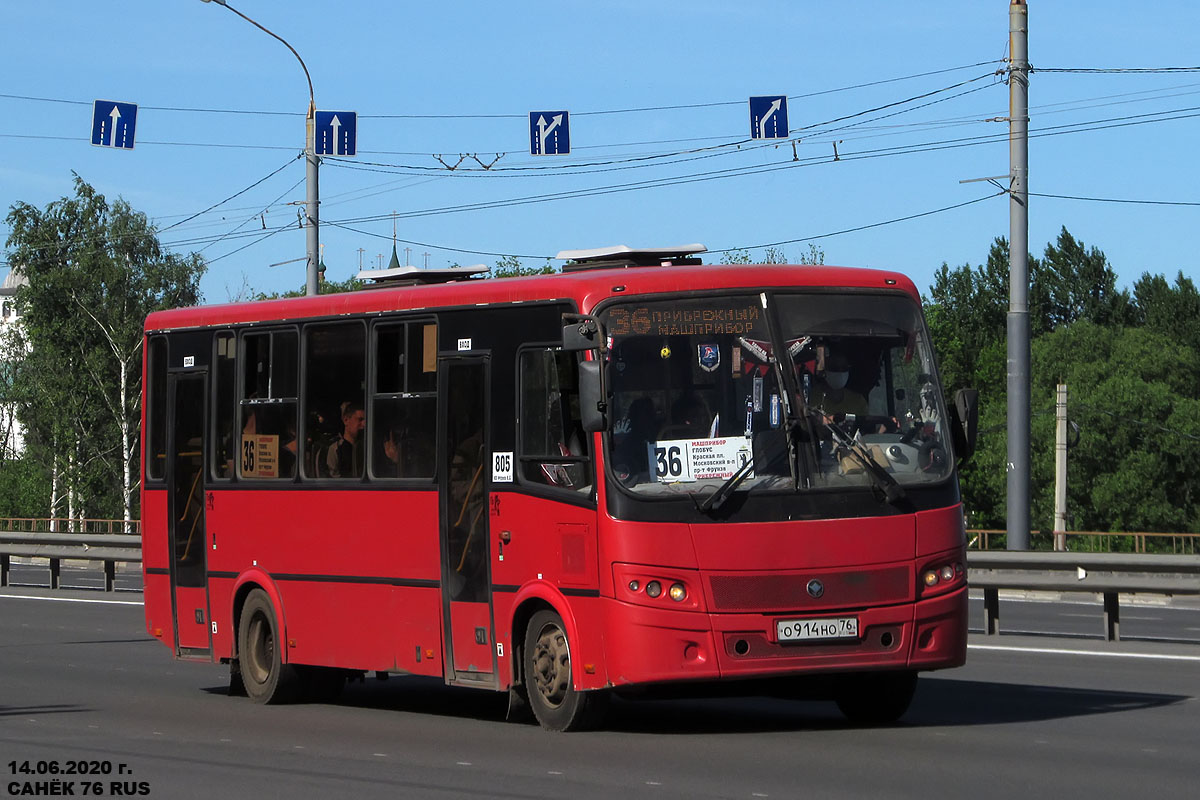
{"x": 592, "y": 403}
{"x": 581, "y": 335}
{"x": 964, "y": 422}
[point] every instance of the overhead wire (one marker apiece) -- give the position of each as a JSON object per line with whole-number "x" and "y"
{"x": 9, "y": 96}
{"x": 858, "y": 228}
{"x": 219, "y": 203}
{"x": 252, "y": 217}
{"x": 1115, "y": 200}
{"x": 754, "y": 169}
{"x": 887, "y": 130}
{"x": 1116, "y": 70}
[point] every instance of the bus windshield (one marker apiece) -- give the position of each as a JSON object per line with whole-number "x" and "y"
{"x": 785, "y": 391}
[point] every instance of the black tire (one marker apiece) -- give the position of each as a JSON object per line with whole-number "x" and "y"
{"x": 265, "y": 677}
{"x": 552, "y": 696}
{"x": 875, "y": 698}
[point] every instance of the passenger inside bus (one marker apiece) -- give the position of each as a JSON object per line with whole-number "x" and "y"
{"x": 404, "y": 454}
{"x": 640, "y": 427}
{"x": 344, "y": 459}
{"x": 830, "y": 393}
{"x": 690, "y": 419}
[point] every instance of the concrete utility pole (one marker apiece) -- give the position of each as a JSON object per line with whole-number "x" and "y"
{"x": 1018, "y": 277}
{"x": 312, "y": 194}
{"x": 312, "y": 198}
{"x": 1060, "y": 469}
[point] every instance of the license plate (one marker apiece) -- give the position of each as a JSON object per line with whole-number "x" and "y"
{"x": 804, "y": 630}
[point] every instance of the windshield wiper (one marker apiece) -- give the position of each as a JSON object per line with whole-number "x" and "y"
{"x": 893, "y": 492}
{"x": 718, "y": 498}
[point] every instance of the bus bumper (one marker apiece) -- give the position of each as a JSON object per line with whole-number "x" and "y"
{"x": 649, "y": 645}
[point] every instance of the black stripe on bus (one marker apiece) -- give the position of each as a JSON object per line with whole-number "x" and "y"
{"x": 504, "y": 588}
{"x": 579, "y": 592}
{"x": 410, "y": 583}
{"x": 418, "y": 583}
{"x": 157, "y": 571}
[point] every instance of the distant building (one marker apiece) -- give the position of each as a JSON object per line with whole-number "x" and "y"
{"x": 12, "y": 435}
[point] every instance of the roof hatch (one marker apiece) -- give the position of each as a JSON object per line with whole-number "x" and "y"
{"x": 625, "y": 256}
{"x": 416, "y": 276}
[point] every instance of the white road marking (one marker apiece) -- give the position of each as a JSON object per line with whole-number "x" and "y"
{"x": 72, "y": 600}
{"x": 1096, "y": 653}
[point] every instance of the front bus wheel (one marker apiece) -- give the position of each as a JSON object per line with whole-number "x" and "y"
{"x": 875, "y": 698}
{"x": 555, "y": 702}
{"x": 264, "y": 675}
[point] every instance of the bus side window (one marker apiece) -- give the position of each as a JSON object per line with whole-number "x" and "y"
{"x": 267, "y": 407}
{"x": 554, "y": 447}
{"x": 226, "y": 447}
{"x": 156, "y": 412}
{"x": 334, "y": 390}
{"x": 403, "y": 413}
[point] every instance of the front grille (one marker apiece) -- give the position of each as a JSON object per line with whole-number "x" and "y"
{"x": 780, "y": 593}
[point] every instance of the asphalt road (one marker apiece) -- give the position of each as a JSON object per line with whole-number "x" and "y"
{"x": 1029, "y": 716}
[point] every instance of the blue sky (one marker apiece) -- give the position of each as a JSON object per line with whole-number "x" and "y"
{"x": 460, "y": 78}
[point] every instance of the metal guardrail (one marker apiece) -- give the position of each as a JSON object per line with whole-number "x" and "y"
{"x": 1107, "y": 574}
{"x": 69, "y": 525}
{"x": 1094, "y": 541}
{"x": 108, "y": 548}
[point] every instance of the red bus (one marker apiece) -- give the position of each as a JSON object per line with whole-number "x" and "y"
{"x": 640, "y": 474}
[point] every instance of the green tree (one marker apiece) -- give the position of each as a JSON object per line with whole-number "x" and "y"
{"x": 1132, "y": 367}
{"x": 351, "y": 284}
{"x": 815, "y": 255}
{"x": 94, "y": 271}
{"x": 1173, "y": 311}
{"x": 1130, "y": 392}
{"x": 511, "y": 266}
{"x": 774, "y": 255}
{"x": 1082, "y": 285}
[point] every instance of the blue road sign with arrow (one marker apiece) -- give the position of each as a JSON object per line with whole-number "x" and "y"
{"x": 549, "y": 133}
{"x": 336, "y": 133}
{"x": 768, "y": 117}
{"x": 113, "y": 124}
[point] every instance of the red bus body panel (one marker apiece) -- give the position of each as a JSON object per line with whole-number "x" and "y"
{"x": 355, "y": 575}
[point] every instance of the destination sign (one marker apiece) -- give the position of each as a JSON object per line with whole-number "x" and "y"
{"x": 688, "y": 321}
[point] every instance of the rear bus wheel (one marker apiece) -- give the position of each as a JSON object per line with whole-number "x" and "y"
{"x": 266, "y": 678}
{"x": 555, "y": 702}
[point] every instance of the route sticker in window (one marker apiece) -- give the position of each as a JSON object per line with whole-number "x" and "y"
{"x": 686, "y": 460}
{"x": 260, "y": 456}
{"x": 502, "y": 467}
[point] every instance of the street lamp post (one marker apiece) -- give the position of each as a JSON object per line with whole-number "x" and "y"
{"x": 312, "y": 194}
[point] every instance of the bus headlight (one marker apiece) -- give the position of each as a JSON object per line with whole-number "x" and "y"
{"x": 678, "y": 592}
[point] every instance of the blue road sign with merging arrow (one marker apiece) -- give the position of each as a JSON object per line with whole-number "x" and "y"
{"x": 549, "y": 133}
{"x": 113, "y": 124}
{"x": 336, "y": 133}
{"x": 768, "y": 117}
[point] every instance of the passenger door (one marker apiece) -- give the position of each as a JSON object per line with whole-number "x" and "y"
{"x": 466, "y": 563}
{"x": 188, "y": 396}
